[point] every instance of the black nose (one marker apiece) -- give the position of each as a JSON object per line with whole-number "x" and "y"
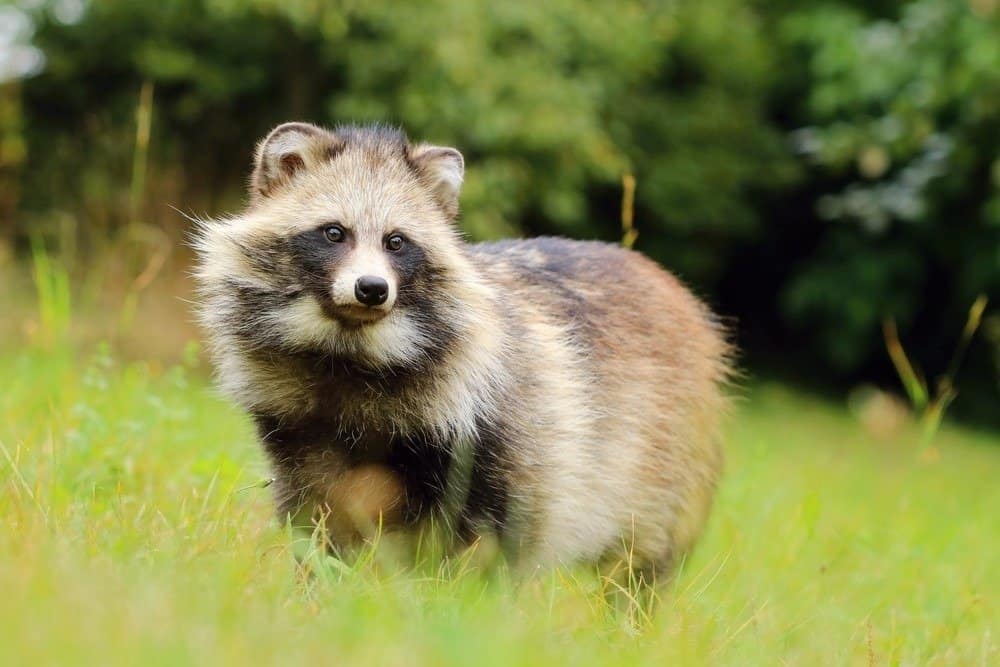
{"x": 371, "y": 290}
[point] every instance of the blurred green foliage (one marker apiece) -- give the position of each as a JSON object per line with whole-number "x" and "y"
{"x": 902, "y": 120}
{"x": 812, "y": 167}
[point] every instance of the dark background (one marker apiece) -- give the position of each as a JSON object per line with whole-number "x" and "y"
{"x": 811, "y": 168}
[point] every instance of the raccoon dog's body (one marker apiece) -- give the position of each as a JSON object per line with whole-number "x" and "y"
{"x": 562, "y": 395}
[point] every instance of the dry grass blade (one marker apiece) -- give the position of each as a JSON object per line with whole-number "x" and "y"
{"x": 629, "y": 232}
{"x": 972, "y": 324}
{"x": 22, "y": 481}
{"x": 932, "y": 408}
{"x": 143, "y": 125}
{"x": 913, "y": 381}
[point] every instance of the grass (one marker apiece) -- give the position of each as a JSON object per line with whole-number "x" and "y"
{"x": 136, "y": 531}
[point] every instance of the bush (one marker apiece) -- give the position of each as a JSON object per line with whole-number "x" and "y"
{"x": 900, "y": 127}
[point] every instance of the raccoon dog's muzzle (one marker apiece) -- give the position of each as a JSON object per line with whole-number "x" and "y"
{"x": 362, "y": 291}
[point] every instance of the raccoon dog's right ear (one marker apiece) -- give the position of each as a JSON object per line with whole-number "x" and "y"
{"x": 290, "y": 148}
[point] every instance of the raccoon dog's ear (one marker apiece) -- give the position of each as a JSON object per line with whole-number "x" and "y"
{"x": 442, "y": 169}
{"x": 289, "y": 149}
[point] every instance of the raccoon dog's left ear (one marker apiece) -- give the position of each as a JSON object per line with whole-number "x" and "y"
{"x": 442, "y": 169}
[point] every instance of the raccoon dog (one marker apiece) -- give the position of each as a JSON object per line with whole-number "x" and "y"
{"x": 562, "y": 396}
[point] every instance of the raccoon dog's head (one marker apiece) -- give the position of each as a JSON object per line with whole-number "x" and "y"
{"x": 348, "y": 247}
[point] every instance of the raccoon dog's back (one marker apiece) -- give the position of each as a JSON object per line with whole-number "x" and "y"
{"x": 564, "y": 396}
{"x": 621, "y": 371}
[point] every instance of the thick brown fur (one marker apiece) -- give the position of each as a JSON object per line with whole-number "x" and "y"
{"x": 563, "y": 395}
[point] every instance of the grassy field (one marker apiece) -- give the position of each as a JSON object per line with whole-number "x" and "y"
{"x": 135, "y": 531}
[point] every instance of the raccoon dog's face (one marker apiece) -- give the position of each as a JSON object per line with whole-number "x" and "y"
{"x": 348, "y": 247}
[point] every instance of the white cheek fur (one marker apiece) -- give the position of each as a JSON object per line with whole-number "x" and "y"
{"x": 303, "y": 323}
{"x": 395, "y": 339}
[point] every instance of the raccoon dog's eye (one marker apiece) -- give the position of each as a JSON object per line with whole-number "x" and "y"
{"x": 394, "y": 243}
{"x": 333, "y": 233}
